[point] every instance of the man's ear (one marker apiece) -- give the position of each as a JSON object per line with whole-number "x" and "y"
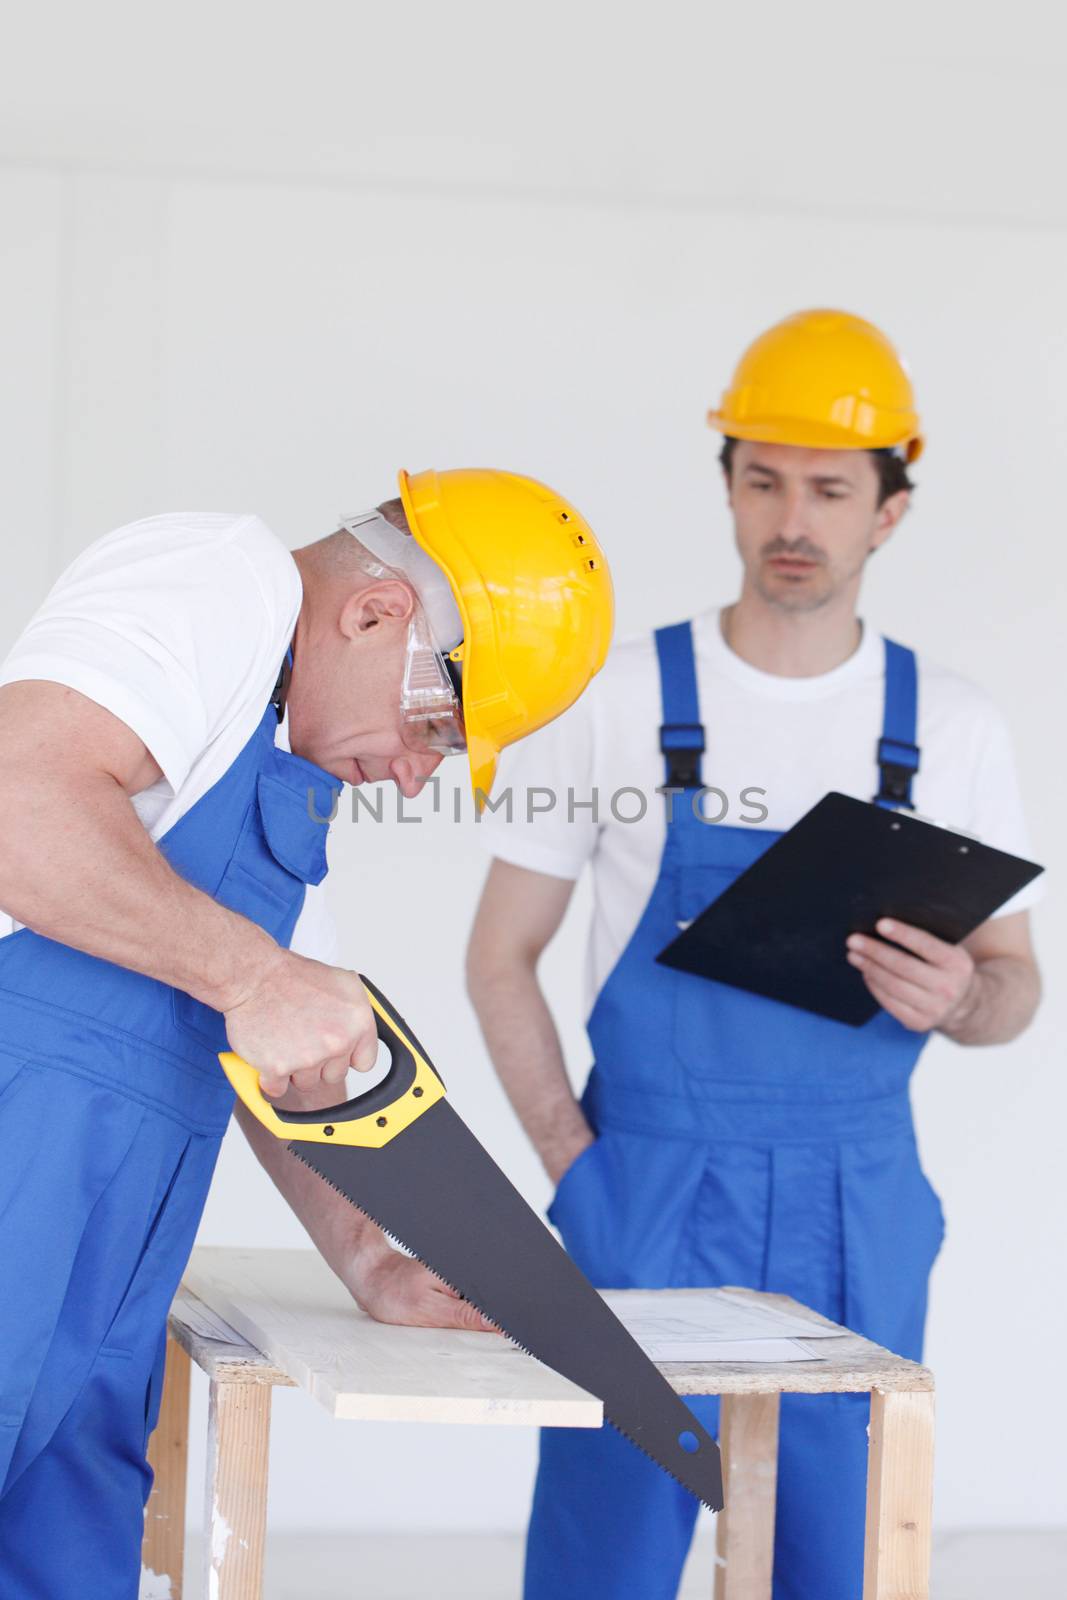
{"x": 889, "y": 514}
{"x": 367, "y": 609}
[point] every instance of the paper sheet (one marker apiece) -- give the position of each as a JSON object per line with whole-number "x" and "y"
{"x": 711, "y": 1326}
{"x": 767, "y": 1350}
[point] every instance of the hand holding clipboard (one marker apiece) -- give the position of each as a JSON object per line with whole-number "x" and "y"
{"x": 780, "y": 929}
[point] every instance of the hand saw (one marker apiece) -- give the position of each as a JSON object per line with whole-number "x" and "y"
{"x": 401, "y": 1155}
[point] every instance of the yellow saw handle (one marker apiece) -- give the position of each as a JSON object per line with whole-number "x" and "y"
{"x": 411, "y": 1086}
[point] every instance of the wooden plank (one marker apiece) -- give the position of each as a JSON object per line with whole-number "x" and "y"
{"x": 900, "y": 1487}
{"x": 854, "y": 1371}
{"x": 858, "y": 1365}
{"x": 168, "y": 1454}
{"x": 855, "y": 1366}
{"x": 744, "y": 1533}
{"x": 292, "y": 1308}
{"x": 235, "y": 1507}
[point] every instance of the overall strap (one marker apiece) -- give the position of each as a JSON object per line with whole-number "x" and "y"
{"x": 898, "y": 754}
{"x": 281, "y": 687}
{"x": 681, "y": 734}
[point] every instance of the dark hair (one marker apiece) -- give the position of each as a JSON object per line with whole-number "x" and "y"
{"x": 892, "y": 469}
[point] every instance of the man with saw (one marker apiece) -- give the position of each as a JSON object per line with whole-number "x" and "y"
{"x": 724, "y": 1138}
{"x": 161, "y": 847}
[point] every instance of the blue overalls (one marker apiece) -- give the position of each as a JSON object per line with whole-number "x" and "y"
{"x": 740, "y": 1141}
{"x": 112, "y": 1110}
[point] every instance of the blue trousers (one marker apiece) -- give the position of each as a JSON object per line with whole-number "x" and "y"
{"x": 112, "y": 1192}
{"x": 850, "y": 1228}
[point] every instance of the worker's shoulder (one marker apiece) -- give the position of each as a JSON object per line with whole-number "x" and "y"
{"x": 629, "y": 660}
{"x": 949, "y": 700}
{"x": 626, "y": 691}
{"x": 213, "y": 547}
{"x": 175, "y": 534}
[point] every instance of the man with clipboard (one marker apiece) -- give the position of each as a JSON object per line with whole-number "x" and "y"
{"x": 725, "y": 1137}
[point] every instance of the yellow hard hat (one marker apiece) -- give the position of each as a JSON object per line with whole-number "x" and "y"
{"x": 825, "y": 380}
{"x": 534, "y": 593}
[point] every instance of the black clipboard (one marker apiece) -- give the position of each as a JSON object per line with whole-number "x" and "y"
{"x": 780, "y": 928}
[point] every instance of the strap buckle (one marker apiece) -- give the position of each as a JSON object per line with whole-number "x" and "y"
{"x": 898, "y": 762}
{"x": 682, "y": 743}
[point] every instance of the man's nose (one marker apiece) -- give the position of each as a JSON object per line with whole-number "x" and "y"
{"x": 794, "y": 516}
{"x": 409, "y": 773}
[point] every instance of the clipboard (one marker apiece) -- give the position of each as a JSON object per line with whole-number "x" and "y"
{"x": 779, "y": 929}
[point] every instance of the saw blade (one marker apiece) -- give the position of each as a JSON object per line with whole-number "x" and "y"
{"x": 437, "y": 1192}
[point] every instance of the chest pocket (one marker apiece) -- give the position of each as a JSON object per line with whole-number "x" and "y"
{"x": 280, "y": 850}
{"x": 729, "y": 1035}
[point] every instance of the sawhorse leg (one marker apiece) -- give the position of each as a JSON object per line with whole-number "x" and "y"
{"x": 235, "y": 1516}
{"x": 900, "y": 1488}
{"x": 168, "y": 1454}
{"x": 744, "y": 1535}
{"x": 235, "y": 1508}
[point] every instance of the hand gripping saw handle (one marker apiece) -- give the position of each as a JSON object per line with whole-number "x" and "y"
{"x": 369, "y": 1120}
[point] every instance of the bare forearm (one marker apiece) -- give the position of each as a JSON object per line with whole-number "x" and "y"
{"x": 347, "y": 1240}
{"x": 77, "y": 865}
{"x": 525, "y": 1048}
{"x": 1001, "y": 1002}
{"x": 384, "y": 1282}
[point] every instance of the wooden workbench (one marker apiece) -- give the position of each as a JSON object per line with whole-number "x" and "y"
{"x": 254, "y": 1319}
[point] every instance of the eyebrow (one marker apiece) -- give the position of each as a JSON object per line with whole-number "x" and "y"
{"x": 824, "y": 480}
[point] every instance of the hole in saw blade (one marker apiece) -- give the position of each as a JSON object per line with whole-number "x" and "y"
{"x": 689, "y": 1442}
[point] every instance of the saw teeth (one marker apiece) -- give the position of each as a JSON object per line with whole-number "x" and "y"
{"x": 515, "y": 1341}
{"x": 657, "y": 1463}
{"x": 403, "y": 1242}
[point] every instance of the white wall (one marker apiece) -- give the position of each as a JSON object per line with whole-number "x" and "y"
{"x": 172, "y": 341}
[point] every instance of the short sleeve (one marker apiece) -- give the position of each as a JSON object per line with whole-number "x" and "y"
{"x": 165, "y": 624}
{"x": 542, "y": 815}
{"x": 997, "y": 815}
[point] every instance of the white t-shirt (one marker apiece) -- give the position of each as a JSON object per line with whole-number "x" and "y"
{"x": 178, "y": 625}
{"x": 775, "y": 746}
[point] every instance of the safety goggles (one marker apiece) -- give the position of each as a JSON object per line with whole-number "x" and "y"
{"x": 431, "y": 691}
